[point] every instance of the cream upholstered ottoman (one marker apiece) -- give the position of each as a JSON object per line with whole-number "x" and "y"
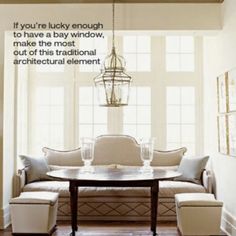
{"x": 198, "y": 214}
{"x": 34, "y": 213}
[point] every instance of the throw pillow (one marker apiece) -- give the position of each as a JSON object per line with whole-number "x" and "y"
{"x": 63, "y": 158}
{"x": 168, "y": 158}
{"x": 36, "y": 168}
{"x": 192, "y": 168}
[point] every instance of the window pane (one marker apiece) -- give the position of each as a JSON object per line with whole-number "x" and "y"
{"x": 85, "y": 131}
{"x": 132, "y": 96}
{"x": 129, "y": 130}
{"x": 100, "y": 114}
{"x": 85, "y": 95}
{"x": 56, "y": 135}
{"x": 143, "y": 62}
{"x": 42, "y": 134}
{"x": 188, "y": 96}
{"x": 172, "y": 44}
{"x": 42, "y": 114}
{"x": 129, "y": 114}
{"x": 143, "y": 114}
{"x": 130, "y": 62}
{"x": 57, "y": 115}
{"x": 188, "y": 114}
{"x": 144, "y": 96}
{"x": 96, "y": 97}
{"x": 42, "y": 96}
{"x": 173, "y": 95}
{"x": 187, "y": 62}
{"x": 173, "y": 133}
{"x": 188, "y": 133}
{"x": 172, "y": 62}
{"x": 129, "y": 44}
{"x": 85, "y": 114}
{"x": 173, "y": 114}
{"x": 99, "y": 130}
{"x": 187, "y": 44}
{"x": 143, "y": 44}
{"x": 143, "y": 131}
{"x": 57, "y": 96}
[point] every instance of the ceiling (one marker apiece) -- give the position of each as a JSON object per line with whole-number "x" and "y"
{"x": 107, "y": 1}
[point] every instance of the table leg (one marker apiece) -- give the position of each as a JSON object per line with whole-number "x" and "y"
{"x": 154, "y": 205}
{"x": 73, "y": 206}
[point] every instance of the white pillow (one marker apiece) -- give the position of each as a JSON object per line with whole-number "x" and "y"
{"x": 168, "y": 158}
{"x": 63, "y": 158}
{"x": 192, "y": 168}
{"x": 36, "y": 168}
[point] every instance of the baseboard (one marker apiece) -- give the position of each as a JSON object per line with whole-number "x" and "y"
{"x": 228, "y": 223}
{"x": 5, "y": 218}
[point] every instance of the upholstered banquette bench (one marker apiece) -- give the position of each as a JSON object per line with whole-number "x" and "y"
{"x": 114, "y": 151}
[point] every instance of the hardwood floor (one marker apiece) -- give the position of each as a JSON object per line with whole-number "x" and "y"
{"x": 111, "y": 229}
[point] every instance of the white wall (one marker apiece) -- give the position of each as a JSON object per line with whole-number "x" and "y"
{"x": 220, "y": 56}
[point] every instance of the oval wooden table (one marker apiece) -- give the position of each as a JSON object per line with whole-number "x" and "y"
{"x": 113, "y": 177}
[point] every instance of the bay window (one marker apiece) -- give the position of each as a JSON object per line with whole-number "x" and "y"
{"x": 62, "y": 105}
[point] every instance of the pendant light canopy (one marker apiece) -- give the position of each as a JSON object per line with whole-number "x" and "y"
{"x": 113, "y": 84}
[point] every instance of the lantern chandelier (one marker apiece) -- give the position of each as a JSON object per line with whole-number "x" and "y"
{"x": 113, "y": 84}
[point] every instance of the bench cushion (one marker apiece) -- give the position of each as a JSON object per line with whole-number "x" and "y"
{"x": 167, "y": 189}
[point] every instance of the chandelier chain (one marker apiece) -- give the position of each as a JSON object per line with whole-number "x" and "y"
{"x": 113, "y": 23}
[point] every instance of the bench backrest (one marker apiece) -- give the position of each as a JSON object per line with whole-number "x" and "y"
{"x": 114, "y": 149}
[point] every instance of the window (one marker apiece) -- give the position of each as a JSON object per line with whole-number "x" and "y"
{"x": 92, "y": 117}
{"x": 60, "y": 108}
{"x": 100, "y": 44}
{"x": 137, "y": 53}
{"x": 137, "y": 116}
{"x": 48, "y": 119}
{"x": 179, "y": 53}
{"x": 181, "y": 118}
